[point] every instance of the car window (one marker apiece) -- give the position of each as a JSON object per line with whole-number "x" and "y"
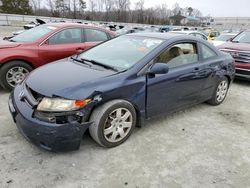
{"x": 207, "y": 52}
{"x": 200, "y": 36}
{"x": 95, "y": 35}
{"x": 179, "y": 54}
{"x": 67, "y": 36}
{"x": 34, "y": 34}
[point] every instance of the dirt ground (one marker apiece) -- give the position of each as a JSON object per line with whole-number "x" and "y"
{"x": 201, "y": 147}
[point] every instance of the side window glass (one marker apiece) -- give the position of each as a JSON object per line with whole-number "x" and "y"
{"x": 200, "y": 36}
{"x": 207, "y": 52}
{"x": 179, "y": 55}
{"x": 67, "y": 36}
{"x": 93, "y": 35}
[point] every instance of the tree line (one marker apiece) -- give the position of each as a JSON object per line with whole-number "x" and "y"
{"x": 101, "y": 10}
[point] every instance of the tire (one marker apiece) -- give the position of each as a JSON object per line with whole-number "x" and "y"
{"x": 220, "y": 92}
{"x": 106, "y": 118}
{"x": 18, "y": 70}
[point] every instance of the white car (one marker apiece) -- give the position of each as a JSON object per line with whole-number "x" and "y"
{"x": 223, "y": 38}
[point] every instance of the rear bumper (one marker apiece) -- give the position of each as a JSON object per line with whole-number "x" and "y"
{"x": 242, "y": 73}
{"x": 49, "y": 136}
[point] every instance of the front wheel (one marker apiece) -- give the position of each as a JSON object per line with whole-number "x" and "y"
{"x": 220, "y": 92}
{"x": 113, "y": 123}
{"x": 13, "y": 73}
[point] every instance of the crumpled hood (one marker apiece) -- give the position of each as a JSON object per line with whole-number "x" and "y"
{"x": 235, "y": 46}
{"x": 68, "y": 79}
{"x": 7, "y": 44}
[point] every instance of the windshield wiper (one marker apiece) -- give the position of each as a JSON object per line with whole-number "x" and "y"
{"x": 11, "y": 40}
{"x": 100, "y": 64}
{"x": 81, "y": 61}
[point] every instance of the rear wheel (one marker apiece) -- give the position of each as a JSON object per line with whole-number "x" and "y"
{"x": 220, "y": 92}
{"x": 13, "y": 73}
{"x": 113, "y": 123}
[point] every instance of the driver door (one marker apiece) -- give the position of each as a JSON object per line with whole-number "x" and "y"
{"x": 181, "y": 86}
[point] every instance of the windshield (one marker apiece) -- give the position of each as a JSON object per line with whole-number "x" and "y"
{"x": 224, "y": 37}
{"x": 122, "y": 52}
{"x": 33, "y": 34}
{"x": 243, "y": 37}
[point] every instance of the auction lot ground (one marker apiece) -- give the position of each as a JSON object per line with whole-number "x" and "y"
{"x": 200, "y": 147}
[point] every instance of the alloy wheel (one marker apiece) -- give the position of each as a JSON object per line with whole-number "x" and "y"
{"x": 118, "y": 125}
{"x": 16, "y": 75}
{"x": 222, "y": 91}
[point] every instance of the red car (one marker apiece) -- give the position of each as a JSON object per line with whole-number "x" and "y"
{"x": 239, "y": 48}
{"x": 42, "y": 45}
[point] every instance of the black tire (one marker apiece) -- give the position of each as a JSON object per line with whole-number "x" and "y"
{"x": 100, "y": 116}
{"x": 214, "y": 100}
{"x": 8, "y": 66}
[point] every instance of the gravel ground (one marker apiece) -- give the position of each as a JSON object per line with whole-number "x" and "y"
{"x": 203, "y": 146}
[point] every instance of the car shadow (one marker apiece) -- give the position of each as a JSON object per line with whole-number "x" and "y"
{"x": 242, "y": 82}
{"x": 3, "y": 91}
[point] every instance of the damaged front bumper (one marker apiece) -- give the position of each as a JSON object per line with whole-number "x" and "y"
{"x": 50, "y": 136}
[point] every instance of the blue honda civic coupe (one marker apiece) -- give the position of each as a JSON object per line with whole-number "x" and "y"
{"x": 113, "y": 87}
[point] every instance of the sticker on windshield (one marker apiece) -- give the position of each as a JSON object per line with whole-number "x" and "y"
{"x": 141, "y": 49}
{"x": 151, "y": 42}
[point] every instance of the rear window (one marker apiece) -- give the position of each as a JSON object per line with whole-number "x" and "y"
{"x": 34, "y": 34}
{"x": 94, "y": 35}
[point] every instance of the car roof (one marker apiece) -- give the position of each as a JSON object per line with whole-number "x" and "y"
{"x": 163, "y": 36}
{"x": 186, "y": 32}
{"x": 62, "y": 25}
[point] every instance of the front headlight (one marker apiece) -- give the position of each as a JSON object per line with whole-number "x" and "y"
{"x": 61, "y": 105}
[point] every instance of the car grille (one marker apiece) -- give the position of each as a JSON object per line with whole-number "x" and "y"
{"x": 243, "y": 72}
{"x": 239, "y": 56}
{"x": 29, "y": 96}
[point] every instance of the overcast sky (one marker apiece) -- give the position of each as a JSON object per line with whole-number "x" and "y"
{"x": 232, "y": 8}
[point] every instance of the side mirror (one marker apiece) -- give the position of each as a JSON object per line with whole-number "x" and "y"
{"x": 159, "y": 68}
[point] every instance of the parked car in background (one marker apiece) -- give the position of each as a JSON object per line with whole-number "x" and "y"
{"x": 223, "y": 38}
{"x": 125, "y": 31}
{"x": 165, "y": 29}
{"x": 26, "y": 27}
{"x": 192, "y": 33}
{"x": 239, "y": 48}
{"x": 211, "y": 33}
{"x": 111, "y": 88}
{"x": 44, "y": 44}
{"x": 128, "y": 30}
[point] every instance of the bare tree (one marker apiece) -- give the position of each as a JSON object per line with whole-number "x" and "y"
{"x": 51, "y": 6}
{"x": 108, "y": 6}
{"x": 36, "y": 5}
{"x": 139, "y": 6}
{"x": 114, "y": 10}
